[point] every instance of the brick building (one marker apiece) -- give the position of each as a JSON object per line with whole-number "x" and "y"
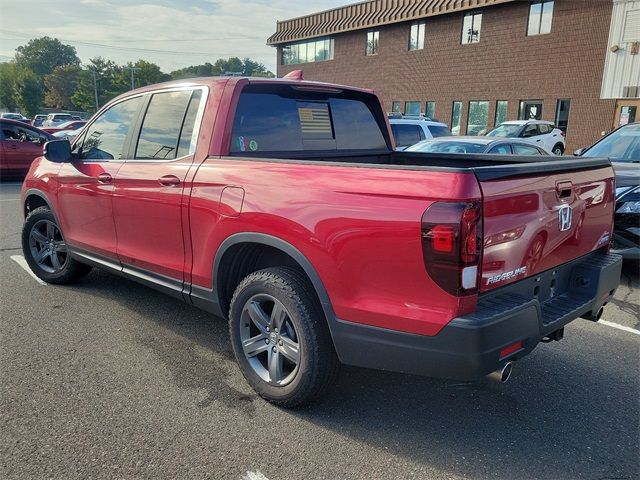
{"x": 469, "y": 63}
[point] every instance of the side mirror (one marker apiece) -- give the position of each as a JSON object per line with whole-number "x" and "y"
{"x": 57, "y": 151}
{"x": 579, "y": 152}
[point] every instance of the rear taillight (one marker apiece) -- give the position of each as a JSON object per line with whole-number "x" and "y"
{"x": 563, "y": 133}
{"x": 451, "y": 245}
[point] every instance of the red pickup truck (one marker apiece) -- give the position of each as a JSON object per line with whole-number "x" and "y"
{"x": 282, "y": 206}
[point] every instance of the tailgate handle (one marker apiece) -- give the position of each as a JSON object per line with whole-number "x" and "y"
{"x": 563, "y": 189}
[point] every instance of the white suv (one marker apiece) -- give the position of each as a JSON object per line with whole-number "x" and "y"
{"x": 538, "y": 132}
{"x": 55, "y": 119}
{"x": 411, "y": 129}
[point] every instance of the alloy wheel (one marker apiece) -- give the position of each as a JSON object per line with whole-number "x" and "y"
{"x": 47, "y": 247}
{"x": 269, "y": 340}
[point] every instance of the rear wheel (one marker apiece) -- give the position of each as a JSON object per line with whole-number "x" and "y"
{"x": 280, "y": 337}
{"x": 45, "y": 249}
{"x": 558, "y": 150}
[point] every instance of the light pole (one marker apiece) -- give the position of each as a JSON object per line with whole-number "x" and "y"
{"x": 133, "y": 69}
{"x": 95, "y": 87}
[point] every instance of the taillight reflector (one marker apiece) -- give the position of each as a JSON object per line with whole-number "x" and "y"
{"x": 506, "y": 351}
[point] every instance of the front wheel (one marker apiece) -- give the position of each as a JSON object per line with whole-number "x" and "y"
{"x": 46, "y": 252}
{"x": 280, "y": 337}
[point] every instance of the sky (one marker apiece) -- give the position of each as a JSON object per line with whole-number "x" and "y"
{"x": 171, "y": 33}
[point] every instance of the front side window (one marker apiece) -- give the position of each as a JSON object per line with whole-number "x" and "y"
{"x": 540, "y": 17}
{"x": 530, "y": 131}
{"x": 456, "y": 115}
{"x": 276, "y": 120}
{"x": 412, "y": 108}
{"x": 20, "y": 134}
{"x": 471, "y": 26}
{"x": 562, "y": 113}
{"x": 430, "y": 110}
{"x": 105, "y": 137}
{"x": 372, "y": 42}
{"x": 161, "y": 126}
{"x": 478, "y": 118}
{"x": 416, "y": 36}
{"x": 502, "y": 107}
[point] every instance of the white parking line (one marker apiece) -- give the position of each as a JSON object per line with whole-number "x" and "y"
{"x": 619, "y": 327}
{"x": 257, "y": 475}
{"x": 9, "y": 199}
{"x": 19, "y": 259}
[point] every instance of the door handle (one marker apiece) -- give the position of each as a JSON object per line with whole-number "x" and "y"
{"x": 105, "y": 178}
{"x": 169, "y": 181}
{"x": 13, "y": 146}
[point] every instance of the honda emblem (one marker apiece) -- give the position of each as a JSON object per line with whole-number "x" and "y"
{"x": 565, "y": 216}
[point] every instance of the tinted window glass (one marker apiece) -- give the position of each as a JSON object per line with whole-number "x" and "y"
{"x": 456, "y": 113}
{"x": 104, "y": 139}
{"x": 501, "y": 150}
{"x": 525, "y": 150}
{"x": 623, "y": 145}
{"x": 19, "y": 134}
{"x": 530, "y": 131}
{"x": 161, "y": 125}
{"x": 438, "y": 131}
{"x": 412, "y": 108}
{"x": 270, "y": 122}
{"x": 187, "y": 143}
{"x": 448, "y": 146}
{"x": 501, "y": 111}
{"x": 478, "y": 118}
{"x": 505, "y": 130}
{"x": 430, "y": 110}
{"x": 406, "y": 135}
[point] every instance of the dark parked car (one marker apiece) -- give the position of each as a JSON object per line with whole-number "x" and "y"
{"x": 622, "y": 146}
{"x": 19, "y": 145}
{"x": 490, "y": 145}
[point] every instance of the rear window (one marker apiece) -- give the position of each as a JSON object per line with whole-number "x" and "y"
{"x": 283, "y": 119}
{"x": 406, "y": 134}
{"x": 439, "y": 131}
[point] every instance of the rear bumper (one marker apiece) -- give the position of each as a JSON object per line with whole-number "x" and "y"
{"x": 469, "y": 347}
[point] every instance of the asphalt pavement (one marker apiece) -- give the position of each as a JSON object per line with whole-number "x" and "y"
{"x": 109, "y": 379}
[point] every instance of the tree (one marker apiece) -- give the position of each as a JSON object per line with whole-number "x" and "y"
{"x": 28, "y": 92}
{"x": 60, "y": 85}
{"x": 109, "y": 80}
{"x": 43, "y": 55}
{"x": 8, "y": 76}
{"x": 233, "y": 65}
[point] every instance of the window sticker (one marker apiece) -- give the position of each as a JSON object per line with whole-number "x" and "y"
{"x": 315, "y": 121}
{"x": 253, "y": 145}
{"x": 241, "y": 145}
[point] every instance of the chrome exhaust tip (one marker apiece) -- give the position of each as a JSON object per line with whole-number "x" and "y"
{"x": 503, "y": 374}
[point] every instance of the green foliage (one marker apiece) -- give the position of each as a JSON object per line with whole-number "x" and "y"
{"x": 8, "y": 75}
{"x": 42, "y": 55}
{"x": 230, "y": 66}
{"x": 28, "y": 92}
{"x": 60, "y": 85}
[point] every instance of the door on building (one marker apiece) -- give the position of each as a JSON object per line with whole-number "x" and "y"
{"x": 627, "y": 111}
{"x": 530, "y": 110}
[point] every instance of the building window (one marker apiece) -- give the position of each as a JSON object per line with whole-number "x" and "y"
{"x": 396, "y": 107}
{"x": 372, "y": 42}
{"x": 562, "y": 113}
{"x": 416, "y": 37}
{"x": 501, "y": 112}
{"x": 412, "y": 108}
{"x": 471, "y": 27}
{"x": 317, "y": 50}
{"x": 430, "y": 111}
{"x": 540, "y": 16}
{"x": 530, "y": 110}
{"x": 456, "y": 115}
{"x": 478, "y": 118}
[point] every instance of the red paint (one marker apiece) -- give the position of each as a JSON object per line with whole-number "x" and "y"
{"x": 360, "y": 228}
{"x": 16, "y": 152}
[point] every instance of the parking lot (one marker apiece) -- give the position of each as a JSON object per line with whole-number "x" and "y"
{"x": 111, "y": 379}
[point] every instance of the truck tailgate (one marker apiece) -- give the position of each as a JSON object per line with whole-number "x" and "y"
{"x": 537, "y": 221}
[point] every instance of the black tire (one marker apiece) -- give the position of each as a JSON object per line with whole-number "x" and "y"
{"x": 318, "y": 363}
{"x": 558, "y": 150}
{"x": 70, "y": 270}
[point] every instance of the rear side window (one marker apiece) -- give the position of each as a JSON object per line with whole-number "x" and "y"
{"x": 161, "y": 126}
{"x": 285, "y": 120}
{"x": 502, "y": 149}
{"x": 406, "y": 134}
{"x": 544, "y": 128}
{"x": 439, "y": 131}
{"x": 525, "y": 150}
